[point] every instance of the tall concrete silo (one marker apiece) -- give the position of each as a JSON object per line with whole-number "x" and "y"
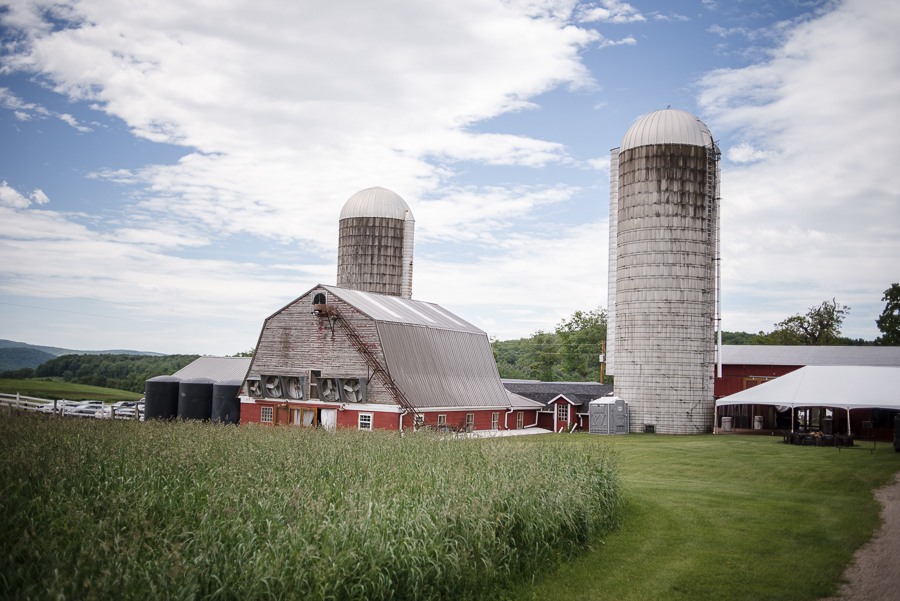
{"x": 375, "y": 246}
{"x": 663, "y": 277}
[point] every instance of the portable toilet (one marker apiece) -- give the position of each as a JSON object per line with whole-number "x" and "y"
{"x": 608, "y": 415}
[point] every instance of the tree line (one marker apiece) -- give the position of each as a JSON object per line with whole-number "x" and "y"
{"x": 123, "y": 372}
{"x": 571, "y": 351}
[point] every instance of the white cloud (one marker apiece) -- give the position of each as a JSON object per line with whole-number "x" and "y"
{"x": 9, "y": 197}
{"x": 670, "y": 17}
{"x": 629, "y": 41}
{"x": 746, "y": 153}
{"x": 304, "y": 116}
{"x": 67, "y": 118}
{"x": 610, "y": 11}
{"x": 39, "y": 197}
{"x": 817, "y": 162}
{"x": 287, "y": 112}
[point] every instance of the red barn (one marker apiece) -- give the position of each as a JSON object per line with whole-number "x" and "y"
{"x": 346, "y": 358}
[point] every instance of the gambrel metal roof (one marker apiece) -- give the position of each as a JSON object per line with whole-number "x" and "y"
{"x": 438, "y": 359}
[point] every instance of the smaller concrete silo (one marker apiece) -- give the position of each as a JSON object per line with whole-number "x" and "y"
{"x": 375, "y": 246}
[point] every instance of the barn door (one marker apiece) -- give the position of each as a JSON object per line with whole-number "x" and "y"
{"x": 328, "y": 417}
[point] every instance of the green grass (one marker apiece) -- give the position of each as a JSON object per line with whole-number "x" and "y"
{"x": 108, "y": 509}
{"x": 63, "y": 390}
{"x": 727, "y": 517}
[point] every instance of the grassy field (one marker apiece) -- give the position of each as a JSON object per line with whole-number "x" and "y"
{"x": 727, "y": 517}
{"x": 64, "y": 390}
{"x": 103, "y": 509}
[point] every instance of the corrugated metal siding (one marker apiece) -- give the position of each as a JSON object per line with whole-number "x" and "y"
{"x": 442, "y": 368}
{"x": 216, "y": 368}
{"x": 381, "y": 307}
{"x": 739, "y": 354}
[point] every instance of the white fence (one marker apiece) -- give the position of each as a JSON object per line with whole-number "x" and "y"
{"x": 66, "y": 408}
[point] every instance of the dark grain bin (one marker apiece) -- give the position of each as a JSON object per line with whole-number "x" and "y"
{"x": 226, "y": 406}
{"x": 161, "y": 397}
{"x": 195, "y": 398}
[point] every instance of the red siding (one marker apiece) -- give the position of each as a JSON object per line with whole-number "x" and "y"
{"x": 545, "y": 420}
{"x": 734, "y": 377}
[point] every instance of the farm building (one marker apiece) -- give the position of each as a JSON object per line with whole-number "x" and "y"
{"x": 663, "y": 272}
{"x": 364, "y": 355}
{"x": 563, "y": 405}
{"x": 747, "y": 366}
{"x": 345, "y": 358}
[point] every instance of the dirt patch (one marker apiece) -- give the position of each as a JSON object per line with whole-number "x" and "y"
{"x": 874, "y": 574}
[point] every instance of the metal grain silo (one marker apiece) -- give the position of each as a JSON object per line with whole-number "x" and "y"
{"x": 195, "y": 397}
{"x": 226, "y": 405}
{"x": 375, "y": 247}
{"x": 161, "y": 397}
{"x": 665, "y": 233}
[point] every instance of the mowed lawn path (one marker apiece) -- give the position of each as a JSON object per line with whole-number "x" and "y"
{"x": 727, "y": 517}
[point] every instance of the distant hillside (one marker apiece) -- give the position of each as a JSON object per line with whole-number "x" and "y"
{"x": 125, "y": 372}
{"x": 56, "y": 351}
{"x": 18, "y": 357}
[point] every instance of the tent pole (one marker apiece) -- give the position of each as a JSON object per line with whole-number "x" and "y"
{"x": 715, "y": 416}
{"x": 848, "y": 421}
{"x": 792, "y": 419}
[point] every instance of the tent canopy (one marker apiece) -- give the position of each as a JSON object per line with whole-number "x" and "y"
{"x": 846, "y": 387}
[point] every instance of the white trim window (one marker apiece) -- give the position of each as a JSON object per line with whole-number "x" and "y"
{"x": 562, "y": 412}
{"x": 520, "y": 420}
{"x": 495, "y": 420}
{"x": 365, "y": 421}
{"x": 470, "y": 422}
{"x": 266, "y": 415}
{"x": 442, "y": 420}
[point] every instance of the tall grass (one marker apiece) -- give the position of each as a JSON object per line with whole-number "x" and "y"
{"x": 118, "y": 509}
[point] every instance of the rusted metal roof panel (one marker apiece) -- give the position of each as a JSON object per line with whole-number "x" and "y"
{"x": 216, "y": 368}
{"x": 441, "y": 367}
{"x": 382, "y": 307}
{"x": 752, "y": 354}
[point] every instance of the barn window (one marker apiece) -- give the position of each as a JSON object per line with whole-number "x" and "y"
{"x": 470, "y": 422}
{"x": 265, "y": 415}
{"x": 562, "y": 412}
{"x": 442, "y": 420}
{"x": 520, "y": 420}
{"x": 365, "y": 421}
{"x": 495, "y": 421}
{"x": 319, "y": 299}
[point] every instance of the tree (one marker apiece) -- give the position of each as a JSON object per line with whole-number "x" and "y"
{"x": 581, "y": 339}
{"x": 541, "y": 355}
{"x": 247, "y": 353}
{"x": 820, "y": 326}
{"x": 889, "y": 322}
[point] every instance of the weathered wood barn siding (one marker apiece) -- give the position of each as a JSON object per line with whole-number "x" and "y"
{"x": 294, "y": 341}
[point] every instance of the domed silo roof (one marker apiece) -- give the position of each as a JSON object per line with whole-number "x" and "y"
{"x": 376, "y": 202}
{"x": 668, "y": 126}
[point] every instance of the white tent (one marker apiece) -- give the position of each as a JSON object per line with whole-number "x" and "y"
{"x": 826, "y": 386}
{"x": 845, "y": 387}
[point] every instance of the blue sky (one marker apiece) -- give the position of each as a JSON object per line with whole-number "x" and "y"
{"x": 172, "y": 175}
